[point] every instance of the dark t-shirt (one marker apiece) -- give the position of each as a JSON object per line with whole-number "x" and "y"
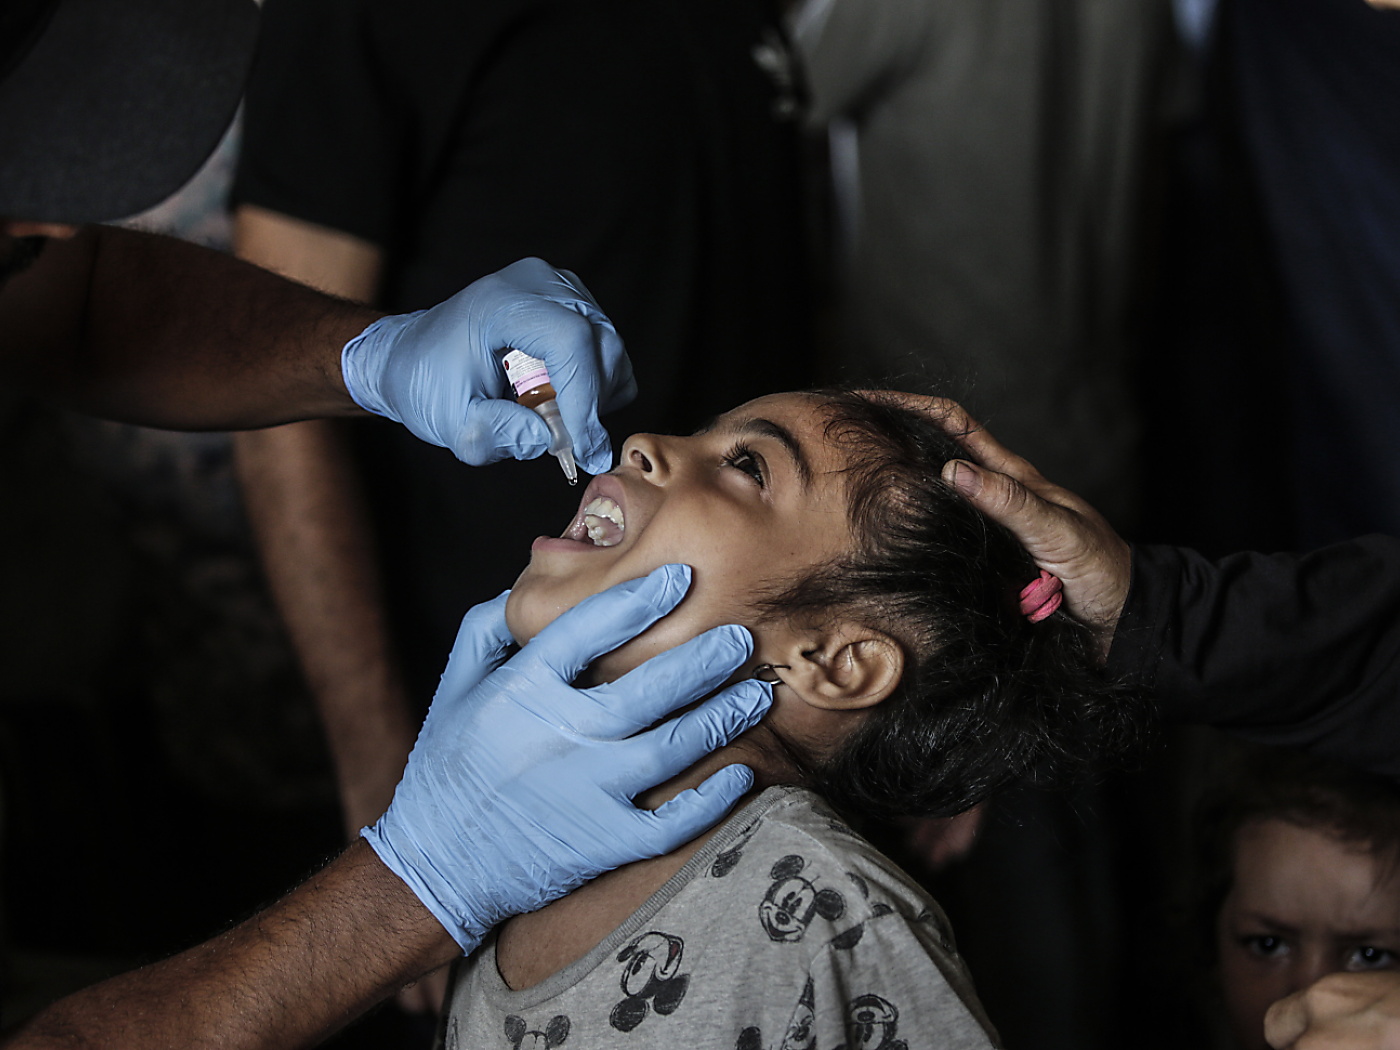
{"x": 1299, "y": 650}
{"x": 648, "y": 145}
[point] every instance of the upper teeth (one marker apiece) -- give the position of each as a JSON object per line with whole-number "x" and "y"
{"x": 597, "y": 516}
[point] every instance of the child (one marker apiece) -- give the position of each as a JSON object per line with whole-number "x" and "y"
{"x": 1300, "y": 857}
{"x": 910, "y": 680}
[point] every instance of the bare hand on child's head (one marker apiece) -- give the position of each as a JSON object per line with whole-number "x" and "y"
{"x": 1063, "y": 533}
{"x": 1343, "y": 1011}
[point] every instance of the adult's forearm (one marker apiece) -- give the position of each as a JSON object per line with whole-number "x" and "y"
{"x": 1298, "y": 650}
{"x": 150, "y": 330}
{"x": 288, "y": 977}
{"x": 304, "y": 499}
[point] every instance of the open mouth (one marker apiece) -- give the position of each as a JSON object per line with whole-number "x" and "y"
{"x": 603, "y": 522}
{"x": 600, "y": 522}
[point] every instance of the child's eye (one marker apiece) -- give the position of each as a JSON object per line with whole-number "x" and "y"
{"x": 742, "y": 458}
{"x": 1366, "y": 957}
{"x": 1265, "y": 946}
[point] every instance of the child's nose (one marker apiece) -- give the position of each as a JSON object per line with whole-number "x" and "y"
{"x": 648, "y": 454}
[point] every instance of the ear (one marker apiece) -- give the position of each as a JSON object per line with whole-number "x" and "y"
{"x": 842, "y": 667}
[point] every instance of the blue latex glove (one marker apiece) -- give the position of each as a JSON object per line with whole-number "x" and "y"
{"x": 438, "y": 371}
{"x": 519, "y": 788}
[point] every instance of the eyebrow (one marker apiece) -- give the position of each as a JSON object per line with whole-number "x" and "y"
{"x": 1273, "y": 925}
{"x": 1371, "y": 933}
{"x": 767, "y": 428}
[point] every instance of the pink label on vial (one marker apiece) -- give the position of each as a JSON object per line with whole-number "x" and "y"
{"x": 524, "y": 372}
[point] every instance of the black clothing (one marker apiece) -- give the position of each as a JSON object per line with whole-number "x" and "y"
{"x": 648, "y": 145}
{"x": 1305, "y": 78}
{"x": 1297, "y": 650}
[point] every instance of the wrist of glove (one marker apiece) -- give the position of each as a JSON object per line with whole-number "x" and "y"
{"x": 439, "y": 373}
{"x": 520, "y": 786}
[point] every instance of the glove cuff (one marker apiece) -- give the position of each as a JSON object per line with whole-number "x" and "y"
{"x": 363, "y": 361}
{"x": 464, "y": 929}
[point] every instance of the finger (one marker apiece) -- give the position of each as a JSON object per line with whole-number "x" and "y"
{"x": 976, "y": 438}
{"x": 578, "y": 392}
{"x": 670, "y": 680}
{"x": 619, "y": 384}
{"x": 599, "y": 624}
{"x": 661, "y": 753}
{"x": 1286, "y": 1021}
{"x": 481, "y": 644}
{"x": 948, "y": 414}
{"x": 688, "y": 814}
{"x": 958, "y": 423}
{"x": 567, "y": 345}
{"x": 991, "y": 453}
{"x": 1007, "y": 502}
{"x": 593, "y": 447}
{"x": 531, "y": 274}
{"x": 571, "y": 289}
{"x": 613, "y": 387}
{"x": 587, "y": 364}
{"x": 495, "y": 430}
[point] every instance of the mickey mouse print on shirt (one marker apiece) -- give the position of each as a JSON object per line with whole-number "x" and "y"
{"x": 801, "y": 1034}
{"x": 793, "y": 902}
{"x": 556, "y": 1033}
{"x": 651, "y": 974}
{"x": 727, "y": 860}
{"x": 872, "y": 1023}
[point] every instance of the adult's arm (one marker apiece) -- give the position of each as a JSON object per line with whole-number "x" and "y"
{"x": 303, "y": 494}
{"x": 148, "y": 329}
{"x": 287, "y": 977}
{"x": 1297, "y": 650}
{"x": 519, "y": 789}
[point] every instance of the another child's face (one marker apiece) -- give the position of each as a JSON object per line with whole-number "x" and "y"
{"x": 1303, "y": 904}
{"x": 755, "y": 499}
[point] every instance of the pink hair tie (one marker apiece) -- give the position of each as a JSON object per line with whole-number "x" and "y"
{"x": 1041, "y": 597}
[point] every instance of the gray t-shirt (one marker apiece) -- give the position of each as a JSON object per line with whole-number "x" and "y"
{"x": 786, "y": 930}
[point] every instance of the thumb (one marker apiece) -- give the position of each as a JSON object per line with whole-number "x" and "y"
{"x": 1040, "y": 526}
{"x": 1069, "y": 539}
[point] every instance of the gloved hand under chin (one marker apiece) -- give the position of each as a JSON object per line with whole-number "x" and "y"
{"x": 438, "y": 371}
{"x": 519, "y": 788}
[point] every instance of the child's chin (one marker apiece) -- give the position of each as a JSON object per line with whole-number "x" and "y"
{"x": 519, "y": 622}
{"x": 533, "y": 605}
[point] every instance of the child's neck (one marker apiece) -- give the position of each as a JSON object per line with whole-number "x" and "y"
{"x": 531, "y": 948}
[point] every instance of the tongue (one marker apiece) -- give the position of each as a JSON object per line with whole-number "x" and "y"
{"x": 603, "y": 532}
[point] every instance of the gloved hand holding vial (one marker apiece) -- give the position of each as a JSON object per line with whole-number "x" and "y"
{"x": 439, "y": 372}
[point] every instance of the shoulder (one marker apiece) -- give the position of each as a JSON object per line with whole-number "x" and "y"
{"x": 816, "y": 875}
{"x": 850, "y": 937}
{"x": 785, "y": 921}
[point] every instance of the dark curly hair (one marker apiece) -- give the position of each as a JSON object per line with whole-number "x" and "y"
{"x": 987, "y": 698}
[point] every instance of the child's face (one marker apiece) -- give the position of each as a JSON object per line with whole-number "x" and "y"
{"x": 1303, "y": 904}
{"x": 755, "y": 499}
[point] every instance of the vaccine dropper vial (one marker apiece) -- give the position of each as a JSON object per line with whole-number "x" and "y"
{"x": 530, "y": 379}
